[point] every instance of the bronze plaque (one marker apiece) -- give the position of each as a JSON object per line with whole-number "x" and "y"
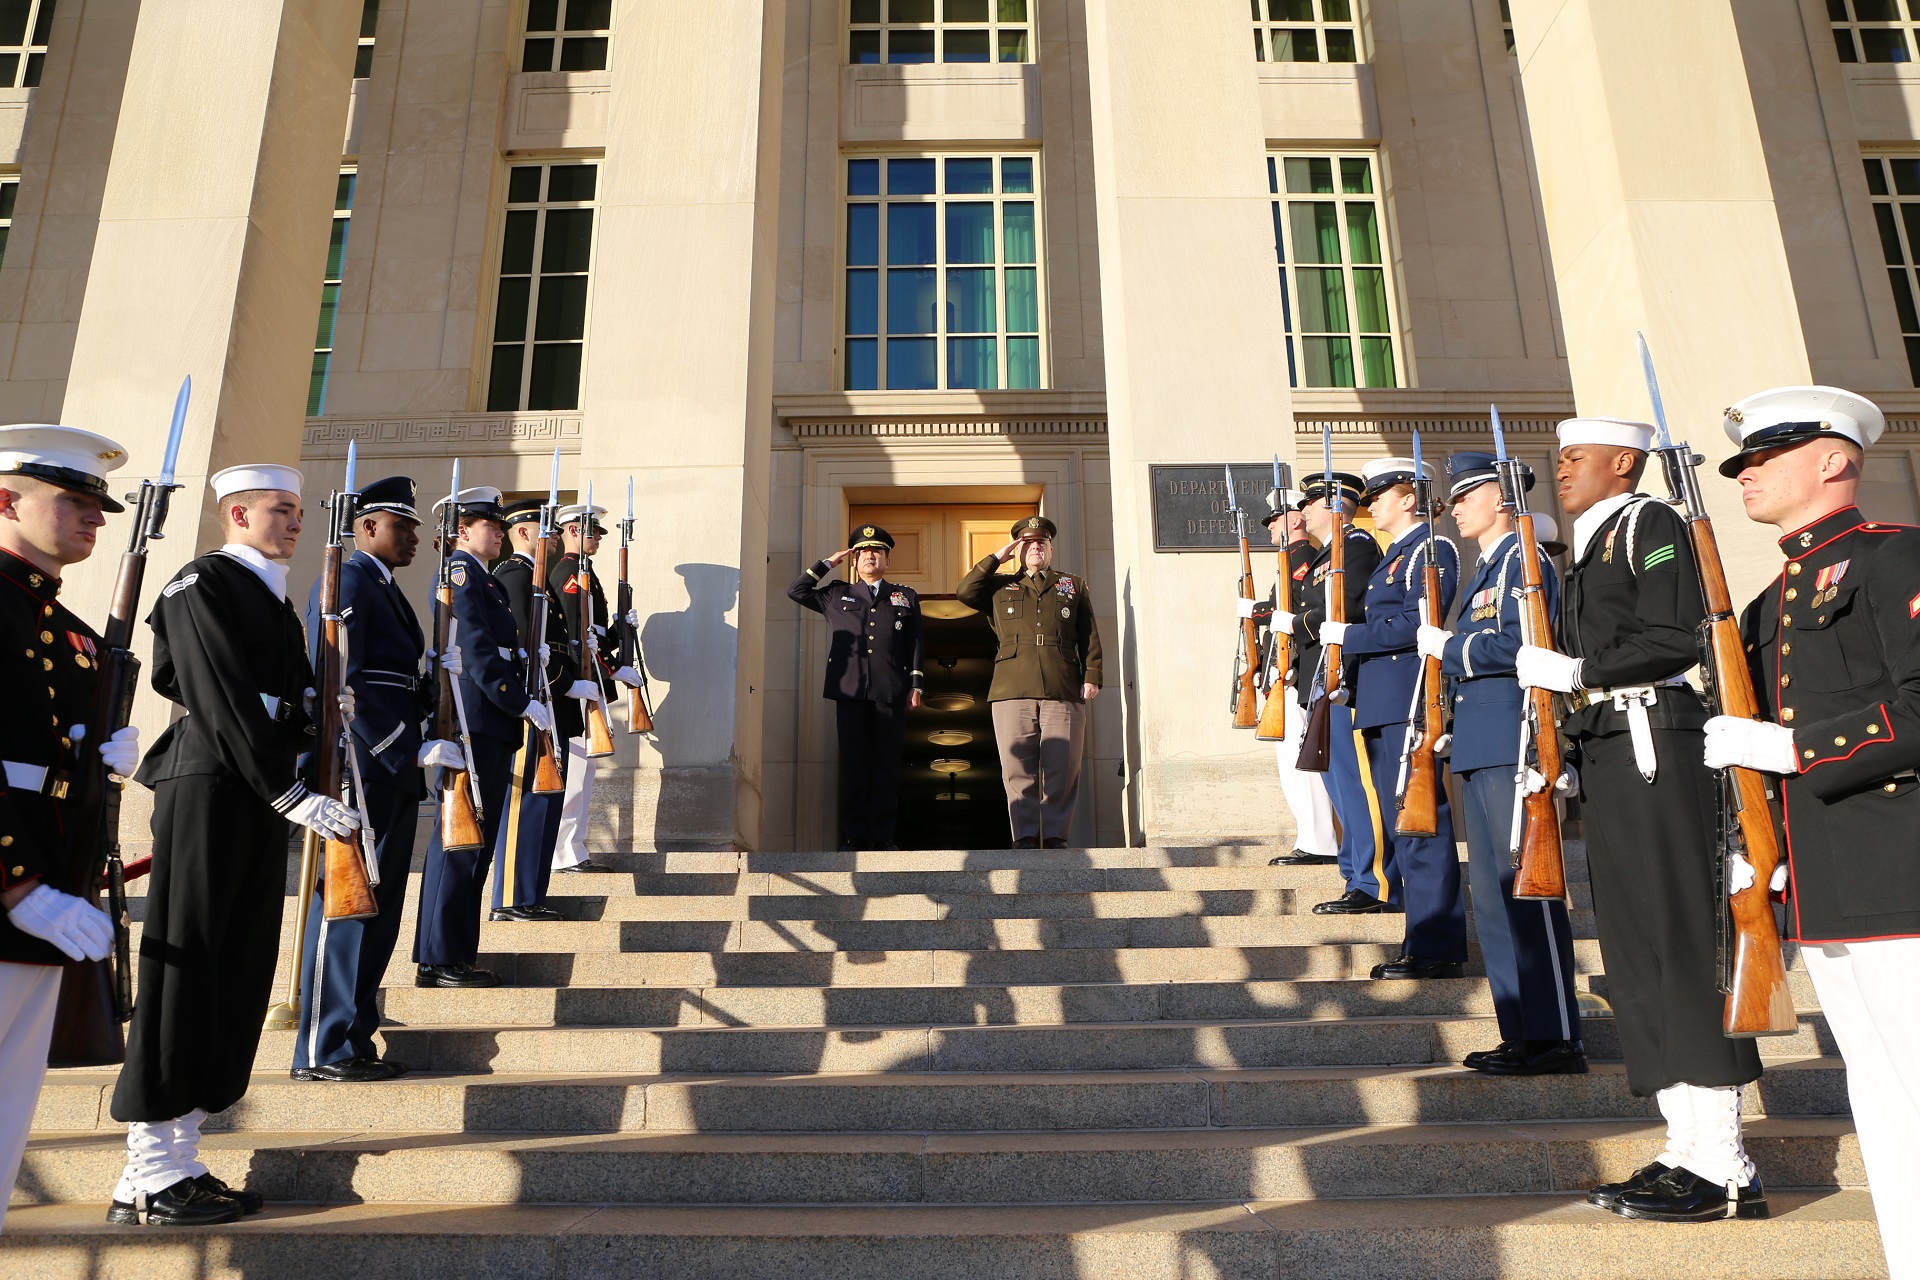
{"x": 1190, "y": 507}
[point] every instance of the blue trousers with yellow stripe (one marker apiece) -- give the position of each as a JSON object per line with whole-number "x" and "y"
{"x": 1350, "y": 787}
{"x": 523, "y": 850}
{"x": 1422, "y": 872}
{"x": 451, "y": 885}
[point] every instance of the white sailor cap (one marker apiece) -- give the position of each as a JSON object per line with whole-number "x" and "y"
{"x": 256, "y": 475}
{"x": 573, "y": 513}
{"x": 1793, "y": 415}
{"x": 1617, "y": 433}
{"x": 64, "y": 456}
{"x": 1281, "y": 501}
{"x": 1383, "y": 473}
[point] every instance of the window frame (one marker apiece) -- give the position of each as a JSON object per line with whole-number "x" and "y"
{"x": 1266, "y": 29}
{"x": 488, "y": 322}
{"x": 363, "y": 51}
{"x": 1905, "y": 228}
{"x": 329, "y": 321}
{"x": 942, "y": 335}
{"x": 1289, "y": 265}
{"x": 938, "y": 28}
{"x": 1851, "y": 33}
{"x": 557, "y": 37}
{"x": 30, "y": 55}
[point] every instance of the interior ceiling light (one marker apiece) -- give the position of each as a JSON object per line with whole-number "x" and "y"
{"x": 950, "y": 766}
{"x": 946, "y": 610}
{"x": 950, "y": 738}
{"x": 950, "y": 701}
{"x": 948, "y": 797}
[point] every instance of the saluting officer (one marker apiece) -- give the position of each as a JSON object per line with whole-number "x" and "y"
{"x": 1630, "y": 611}
{"x": 340, "y": 1009}
{"x": 53, "y": 500}
{"x": 1832, "y": 646}
{"x": 596, "y": 637}
{"x": 873, "y": 678}
{"x": 1527, "y": 946}
{"x": 492, "y": 675}
{"x": 227, "y": 647}
{"x": 1047, "y": 669}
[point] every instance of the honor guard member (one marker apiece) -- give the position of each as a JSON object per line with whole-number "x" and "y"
{"x": 1527, "y": 946}
{"x": 341, "y": 1009}
{"x": 1046, "y": 670}
{"x": 1832, "y": 643}
{"x": 53, "y": 500}
{"x": 1315, "y": 842}
{"x": 1419, "y": 873}
{"x": 873, "y": 678}
{"x": 1630, "y": 611}
{"x": 493, "y": 688}
{"x": 1348, "y": 786}
{"x": 229, "y": 649}
{"x": 597, "y": 637}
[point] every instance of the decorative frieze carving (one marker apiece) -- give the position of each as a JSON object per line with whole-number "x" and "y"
{"x": 473, "y": 434}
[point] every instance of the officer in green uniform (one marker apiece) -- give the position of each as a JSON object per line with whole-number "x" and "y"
{"x": 1046, "y": 670}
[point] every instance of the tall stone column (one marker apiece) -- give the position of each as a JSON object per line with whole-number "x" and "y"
{"x": 1196, "y": 372}
{"x": 678, "y": 393}
{"x": 1662, "y": 218}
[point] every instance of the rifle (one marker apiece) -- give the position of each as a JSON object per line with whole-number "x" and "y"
{"x": 599, "y": 736}
{"x": 1540, "y": 869}
{"x": 1273, "y": 715}
{"x": 639, "y": 710}
{"x": 1316, "y": 743}
{"x": 349, "y": 872}
{"x": 460, "y": 811}
{"x": 1246, "y": 655}
{"x": 1419, "y": 797}
{"x": 546, "y": 768}
{"x": 96, "y": 996}
{"x": 1758, "y": 1002}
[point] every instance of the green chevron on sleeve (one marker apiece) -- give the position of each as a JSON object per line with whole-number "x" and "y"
{"x": 1659, "y": 556}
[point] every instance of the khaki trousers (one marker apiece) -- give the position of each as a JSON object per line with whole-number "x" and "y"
{"x": 1039, "y": 741}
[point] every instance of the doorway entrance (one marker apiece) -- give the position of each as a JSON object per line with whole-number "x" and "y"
{"x": 950, "y": 791}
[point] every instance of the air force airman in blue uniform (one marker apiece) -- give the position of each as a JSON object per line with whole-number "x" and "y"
{"x": 1527, "y": 946}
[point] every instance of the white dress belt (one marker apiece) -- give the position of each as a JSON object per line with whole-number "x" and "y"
{"x": 28, "y": 777}
{"x": 1634, "y": 699}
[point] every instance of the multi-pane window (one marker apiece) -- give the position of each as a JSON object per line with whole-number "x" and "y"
{"x": 961, "y": 31}
{"x": 1895, "y": 184}
{"x": 363, "y": 56}
{"x": 1506, "y": 23}
{"x": 23, "y": 41}
{"x": 943, "y": 274}
{"x": 1328, "y": 233}
{"x": 567, "y": 35}
{"x": 1305, "y": 31}
{"x": 1873, "y": 30}
{"x": 540, "y": 319}
{"x": 329, "y": 293}
{"x": 9, "y": 192}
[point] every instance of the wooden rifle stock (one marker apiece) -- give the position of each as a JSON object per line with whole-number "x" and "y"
{"x": 1420, "y": 803}
{"x": 348, "y": 895}
{"x": 1542, "y": 870}
{"x": 1273, "y": 714}
{"x": 1246, "y": 702}
{"x": 546, "y": 766}
{"x": 639, "y": 714}
{"x": 460, "y": 828}
{"x": 599, "y": 735}
{"x": 1316, "y": 746}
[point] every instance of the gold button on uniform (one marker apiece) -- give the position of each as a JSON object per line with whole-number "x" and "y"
{"x": 1786, "y": 649}
{"x": 1807, "y": 754}
{"x": 1786, "y": 621}
{"x": 19, "y": 871}
{"x": 1839, "y": 742}
{"x": 1793, "y": 593}
{"x": 1785, "y": 681}
{"x": 1873, "y": 728}
{"x": 1889, "y": 787}
{"x": 46, "y": 637}
{"x": 1794, "y": 568}
{"x": 5, "y": 840}
{"x": 46, "y": 664}
{"x": 1786, "y": 715}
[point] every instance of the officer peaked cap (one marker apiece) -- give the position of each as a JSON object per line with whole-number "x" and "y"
{"x": 522, "y": 511}
{"x": 1034, "y": 528}
{"x": 1314, "y": 487}
{"x": 1471, "y": 468}
{"x": 396, "y": 494}
{"x": 65, "y": 457}
{"x": 1794, "y": 415}
{"x": 870, "y": 536}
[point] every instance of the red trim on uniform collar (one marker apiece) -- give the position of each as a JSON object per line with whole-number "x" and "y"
{"x": 1828, "y": 527}
{"x": 22, "y": 573}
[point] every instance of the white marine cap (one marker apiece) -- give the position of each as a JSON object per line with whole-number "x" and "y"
{"x": 576, "y": 511}
{"x": 1383, "y": 473}
{"x": 257, "y": 475}
{"x": 1281, "y": 501}
{"x": 1616, "y": 433}
{"x": 64, "y": 456}
{"x": 1793, "y": 415}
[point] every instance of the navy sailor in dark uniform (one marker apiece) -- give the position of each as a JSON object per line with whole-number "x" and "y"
{"x": 1834, "y": 645}
{"x": 873, "y": 678}
{"x": 493, "y": 688}
{"x": 1527, "y": 946}
{"x": 1630, "y": 613}
{"x": 229, "y": 649}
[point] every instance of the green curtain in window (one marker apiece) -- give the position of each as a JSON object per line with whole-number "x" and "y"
{"x": 1323, "y": 300}
{"x": 1329, "y": 361}
{"x": 1023, "y": 364}
{"x": 1316, "y": 231}
{"x": 1363, "y": 234}
{"x": 1370, "y": 300}
{"x": 1016, "y": 218}
{"x": 970, "y": 232}
{"x": 1023, "y": 301}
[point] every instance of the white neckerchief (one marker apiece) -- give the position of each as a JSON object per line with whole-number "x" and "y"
{"x": 270, "y": 572}
{"x": 1593, "y": 519}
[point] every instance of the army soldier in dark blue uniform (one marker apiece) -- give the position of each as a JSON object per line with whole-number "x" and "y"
{"x": 1832, "y": 645}
{"x": 1527, "y": 946}
{"x": 873, "y": 679}
{"x": 493, "y": 686}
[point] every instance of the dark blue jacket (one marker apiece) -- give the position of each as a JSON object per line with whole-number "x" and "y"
{"x": 875, "y": 650}
{"x": 1310, "y": 606}
{"x": 1383, "y": 645}
{"x": 384, "y": 648}
{"x": 1487, "y": 701}
{"x": 493, "y": 676}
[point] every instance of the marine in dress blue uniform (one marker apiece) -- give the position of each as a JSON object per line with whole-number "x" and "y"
{"x": 493, "y": 686}
{"x": 1527, "y": 946}
{"x": 339, "y": 1006}
{"x": 873, "y": 674}
{"x": 1419, "y": 873}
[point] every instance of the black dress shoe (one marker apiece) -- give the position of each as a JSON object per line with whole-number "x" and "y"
{"x": 524, "y": 913}
{"x": 1680, "y": 1195}
{"x": 1415, "y": 967}
{"x": 1027, "y": 842}
{"x": 1475, "y": 1060}
{"x": 250, "y": 1202}
{"x": 1607, "y": 1194}
{"x": 1300, "y": 858}
{"x": 1539, "y": 1058}
{"x": 351, "y": 1071}
{"x": 454, "y": 975}
{"x": 588, "y": 865}
{"x": 184, "y": 1204}
{"x": 1356, "y": 902}
{"x": 1054, "y": 842}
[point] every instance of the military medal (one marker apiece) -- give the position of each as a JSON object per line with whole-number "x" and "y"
{"x": 899, "y": 599}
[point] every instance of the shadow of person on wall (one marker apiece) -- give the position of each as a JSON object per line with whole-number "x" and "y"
{"x": 685, "y": 652}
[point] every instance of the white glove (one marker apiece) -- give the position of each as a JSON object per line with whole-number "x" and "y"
{"x": 586, "y": 689}
{"x": 1432, "y": 641}
{"x": 1540, "y": 668}
{"x": 1283, "y": 621}
{"x": 451, "y": 661}
{"x": 546, "y": 656}
{"x": 74, "y": 925}
{"x": 121, "y": 752}
{"x": 628, "y": 676}
{"x": 538, "y": 716}
{"x": 325, "y": 817}
{"x": 1332, "y": 632}
{"x": 1568, "y": 783}
{"x": 347, "y": 703}
{"x": 1736, "y": 742}
{"x": 633, "y": 619}
{"x": 1242, "y": 607}
{"x": 1740, "y": 876}
{"x": 441, "y": 753}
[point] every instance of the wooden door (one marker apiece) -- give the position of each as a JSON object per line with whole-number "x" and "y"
{"x": 934, "y": 546}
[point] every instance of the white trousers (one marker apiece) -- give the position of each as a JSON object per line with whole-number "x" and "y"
{"x": 28, "y": 994}
{"x": 570, "y": 850}
{"x": 1866, "y": 991}
{"x": 1306, "y": 793}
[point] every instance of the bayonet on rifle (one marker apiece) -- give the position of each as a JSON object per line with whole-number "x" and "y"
{"x": 1279, "y": 658}
{"x": 1418, "y": 791}
{"x": 1246, "y": 654}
